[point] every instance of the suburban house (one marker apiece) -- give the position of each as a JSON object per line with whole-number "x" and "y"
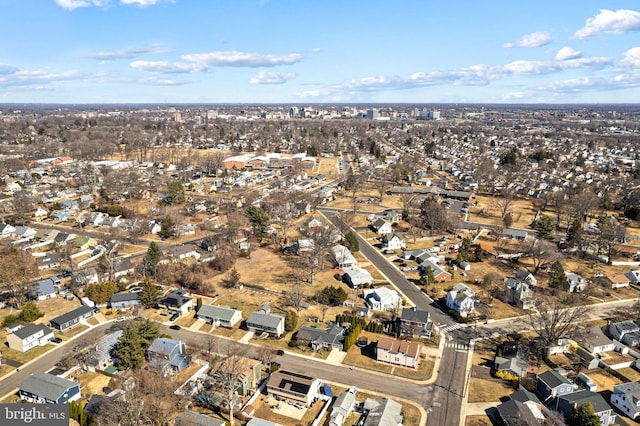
{"x": 522, "y": 407}
{"x": 552, "y": 384}
{"x": 382, "y": 299}
{"x": 100, "y": 357}
{"x": 594, "y": 340}
{"x": 565, "y": 403}
{"x": 219, "y": 315}
{"x": 263, "y": 320}
{"x": 46, "y": 289}
{"x": 331, "y": 337}
{"x": 381, "y": 226}
{"x": 439, "y": 274}
{"x": 342, "y": 256}
{"x": 250, "y": 372}
{"x": 519, "y": 293}
{"x": 45, "y": 388}
{"x": 575, "y": 282}
{"x": 167, "y": 355}
{"x": 176, "y": 301}
{"x": 354, "y": 276}
{"x": 512, "y": 358}
{"x": 292, "y": 387}
{"x": 71, "y": 318}
{"x": 124, "y": 300}
{"x": 393, "y": 241}
{"x": 29, "y": 336}
{"x": 191, "y": 418}
{"x": 399, "y": 352}
{"x": 48, "y": 261}
{"x": 343, "y": 406}
{"x": 461, "y": 299}
{"x": 617, "y": 280}
{"x": 85, "y": 276}
{"x": 416, "y": 322}
{"x": 382, "y": 411}
{"x": 634, "y": 276}
{"x": 627, "y": 332}
{"x": 185, "y": 251}
{"x": 525, "y": 276}
{"x": 626, "y": 398}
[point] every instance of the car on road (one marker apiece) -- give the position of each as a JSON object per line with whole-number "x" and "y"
{"x": 280, "y": 352}
{"x": 175, "y": 327}
{"x": 56, "y": 340}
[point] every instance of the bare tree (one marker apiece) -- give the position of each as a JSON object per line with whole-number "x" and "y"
{"x": 553, "y": 320}
{"x": 504, "y": 201}
{"x": 433, "y": 215}
{"x": 17, "y": 272}
{"x": 295, "y": 298}
{"x": 227, "y": 379}
{"x": 541, "y": 252}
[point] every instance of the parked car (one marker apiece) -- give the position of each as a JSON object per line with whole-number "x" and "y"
{"x": 280, "y": 352}
{"x": 175, "y": 316}
{"x": 67, "y": 273}
{"x": 56, "y": 340}
{"x": 175, "y": 327}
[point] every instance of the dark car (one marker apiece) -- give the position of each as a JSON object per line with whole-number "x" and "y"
{"x": 175, "y": 327}
{"x": 175, "y": 316}
{"x": 280, "y": 352}
{"x": 56, "y": 340}
{"x": 67, "y": 273}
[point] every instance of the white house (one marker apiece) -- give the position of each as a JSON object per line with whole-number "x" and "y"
{"x": 400, "y": 352}
{"x": 220, "y": 315}
{"x": 393, "y": 241}
{"x": 626, "y": 398}
{"x": 461, "y": 299}
{"x": 382, "y": 299}
{"x": 29, "y": 336}
{"x": 382, "y": 227}
{"x": 576, "y": 282}
{"x": 355, "y": 276}
{"x": 343, "y": 256}
{"x": 343, "y": 406}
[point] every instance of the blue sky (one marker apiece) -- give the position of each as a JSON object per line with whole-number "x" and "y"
{"x": 296, "y": 51}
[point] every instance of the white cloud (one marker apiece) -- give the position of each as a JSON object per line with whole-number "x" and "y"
{"x": 610, "y": 22}
{"x": 270, "y": 77}
{"x": 537, "y": 39}
{"x": 631, "y": 58}
{"x": 22, "y": 78}
{"x": 75, "y": 4}
{"x": 573, "y": 84}
{"x": 516, "y": 95}
{"x": 167, "y": 67}
{"x": 144, "y": 3}
{"x": 129, "y": 53}
{"x": 567, "y": 53}
{"x": 242, "y": 59}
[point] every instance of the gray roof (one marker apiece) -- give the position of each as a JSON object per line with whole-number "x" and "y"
{"x": 45, "y": 287}
{"x": 330, "y": 335}
{"x": 124, "y": 297}
{"x": 553, "y": 379}
{"x": 176, "y": 298}
{"x": 47, "y": 385}
{"x": 264, "y": 320}
{"x": 190, "y": 418}
{"x": 415, "y": 315}
{"x": 31, "y": 329}
{"x": 71, "y": 315}
{"x": 514, "y": 412}
{"x": 345, "y": 400}
{"x": 223, "y": 313}
{"x": 584, "y": 396}
{"x": 382, "y": 412}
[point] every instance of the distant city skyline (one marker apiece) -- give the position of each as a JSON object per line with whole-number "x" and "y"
{"x": 288, "y": 51}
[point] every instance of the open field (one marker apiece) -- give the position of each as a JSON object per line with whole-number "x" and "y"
{"x": 488, "y": 390}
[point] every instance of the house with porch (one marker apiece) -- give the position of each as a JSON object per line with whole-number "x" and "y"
{"x": 393, "y": 241}
{"x": 415, "y": 322}
{"x": 177, "y": 300}
{"x": 461, "y": 299}
{"x": 264, "y": 321}
{"x": 382, "y": 299}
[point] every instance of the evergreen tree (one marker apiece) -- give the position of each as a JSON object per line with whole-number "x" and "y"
{"x": 350, "y": 241}
{"x": 175, "y": 193}
{"x": 259, "y": 219}
{"x": 583, "y": 415}
{"x": 152, "y": 260}
{"x": 557, "y": 278}
{"x": 150, "y": 294}
{"x": 167, "y": 227}
{"x": 290, "y": 321}
{"x": 30, "y": 312}
{"x": 100, "y": 293}
{"x": 544, "y": 227}
{"x": 198, "y": 303}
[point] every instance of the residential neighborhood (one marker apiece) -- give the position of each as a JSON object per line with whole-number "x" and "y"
{"x": 270, "y": 267}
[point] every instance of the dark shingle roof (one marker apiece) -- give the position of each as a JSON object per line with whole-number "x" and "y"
{"x": 31, "y": 329}
{"x": 77, "y": 312}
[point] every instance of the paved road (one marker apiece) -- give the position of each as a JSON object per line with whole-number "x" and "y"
{"x": 443, "y": 399}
